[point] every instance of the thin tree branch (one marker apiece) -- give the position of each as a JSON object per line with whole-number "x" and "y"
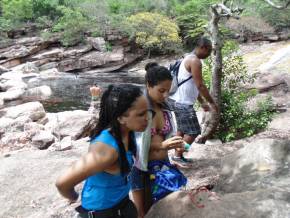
{"x": 277, "y": 6}
{"x": 223, "y": 11}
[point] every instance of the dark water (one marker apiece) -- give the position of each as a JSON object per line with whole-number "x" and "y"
{"x": 71, "y": 91}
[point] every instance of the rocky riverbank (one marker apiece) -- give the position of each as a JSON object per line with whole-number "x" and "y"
{"x": 251, "y": 176}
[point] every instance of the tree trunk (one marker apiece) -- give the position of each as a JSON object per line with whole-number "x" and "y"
{"x": 215, "y": 90}
{"x": 211, "y": 119}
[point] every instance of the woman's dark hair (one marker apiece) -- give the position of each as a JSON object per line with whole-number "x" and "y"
{"x": 203, "y": 42}
{"x": 115, "y": 101}
{"x": 156, "y": 74}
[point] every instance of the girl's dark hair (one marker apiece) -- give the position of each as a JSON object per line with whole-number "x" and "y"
{"x": 156, "y": 74}
{"x": 115, "y": 101}
{"x": 203, "y": 42}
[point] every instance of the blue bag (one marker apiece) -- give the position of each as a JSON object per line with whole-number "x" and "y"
{"x": 164, "y": 179}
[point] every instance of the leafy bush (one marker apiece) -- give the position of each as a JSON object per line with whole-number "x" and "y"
{"x": 236, "y": 121}
{"x": 5, "y": 25}
{"x": 192, "y": 26}
{"x": 17, "y": 10}
{"x": 133, "y": 6}
{"x": 73, "y": 26}
{"x": 44, "y": 22}
{"x": 262, "y": 10}
{"x": 154, "y": 32}
{"x": 45, "y": 8}
{"x": 192, "y": 18}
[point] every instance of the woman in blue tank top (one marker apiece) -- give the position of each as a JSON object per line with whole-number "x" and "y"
{"x": 106, "y": 166}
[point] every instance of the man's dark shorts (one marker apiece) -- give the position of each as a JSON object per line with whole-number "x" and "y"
{"x": 186, "y": 118}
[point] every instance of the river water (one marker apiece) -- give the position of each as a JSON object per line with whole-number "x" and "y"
{"x": 71, "y": 91}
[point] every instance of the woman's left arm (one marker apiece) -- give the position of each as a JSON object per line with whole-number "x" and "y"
{"x": 96, "y": 160}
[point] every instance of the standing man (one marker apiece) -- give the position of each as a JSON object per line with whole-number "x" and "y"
{"x": 187, "y": 94}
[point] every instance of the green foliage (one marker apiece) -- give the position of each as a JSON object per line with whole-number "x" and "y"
{"x": 5, "y": 25}
{"x": 44, "y": 22}
{"x": 192, "y": 25}
{"x": 235, "y": 73}
{"x": 130, "y": 7}
{"x": 229, "y": 47}
{"x": 277, "y": 18}
{"x": 72, "y": 25}
{"x": 237, "y": 121}
{"x": 46, "y": 35}
{"x": 108, "y": 46}
{"x": 192, "y": 18}
{"x": 17, "y": 10}
{"x": 154, "y": 32}
{"x": 45, "y": 8}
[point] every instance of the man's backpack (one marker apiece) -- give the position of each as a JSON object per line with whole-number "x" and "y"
{"x": 174, "y": 69}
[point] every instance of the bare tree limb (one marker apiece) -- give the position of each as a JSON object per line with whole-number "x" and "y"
{"x": 277, "y": 6}
{"x": 223, "y": 11}
{"x": 218, "y": 11}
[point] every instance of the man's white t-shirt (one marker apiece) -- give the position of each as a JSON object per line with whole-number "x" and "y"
{"x": 187, "y": 93}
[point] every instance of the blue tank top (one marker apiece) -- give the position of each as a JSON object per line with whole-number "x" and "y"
{"x": 104, "y": 190}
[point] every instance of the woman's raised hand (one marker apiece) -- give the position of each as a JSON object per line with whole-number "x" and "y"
{"x": 173, "y": 142}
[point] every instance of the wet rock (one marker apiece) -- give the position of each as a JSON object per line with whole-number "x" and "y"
{"x": 3, "y": 69}
{"x": 43, "y": 139}
{"x": 48, "y": 66}
{"x": 50, "y": 73}
{"x": 11, "y": 95}
{"x": 12, "y": 75}
{"x": 30, "y": 68}
{"x": 77, "y": 51}
{"x": 14, "y": 125}
{"x": 52, "y": 54}
{"x": 33, "y": 110}
{"x": 92, "y": 59}
{"x": 280, "y": 122}
{"x": 76, "y": 123}
{"x": 14, "y": 140}
{"x": 33, "y": 127}
{"x": 64, "y": 145}
{"x": 98, "y": 43}
{"x": 12, "y": 85}
{"x": 15, "y": 52}
{"x": 41, "y": 91}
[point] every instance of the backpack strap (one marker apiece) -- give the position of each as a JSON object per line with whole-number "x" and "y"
{"x": 179, "y": 84}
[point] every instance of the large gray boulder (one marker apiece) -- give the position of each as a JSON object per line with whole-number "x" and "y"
{"x": 32, "y": 110}
{"x": 261, "y": 164}
{"x": 98, "y": 43}
{"x": 76, "y": 123}
{"x": 254, "y": 182}
{"x": 43, "y": 139}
